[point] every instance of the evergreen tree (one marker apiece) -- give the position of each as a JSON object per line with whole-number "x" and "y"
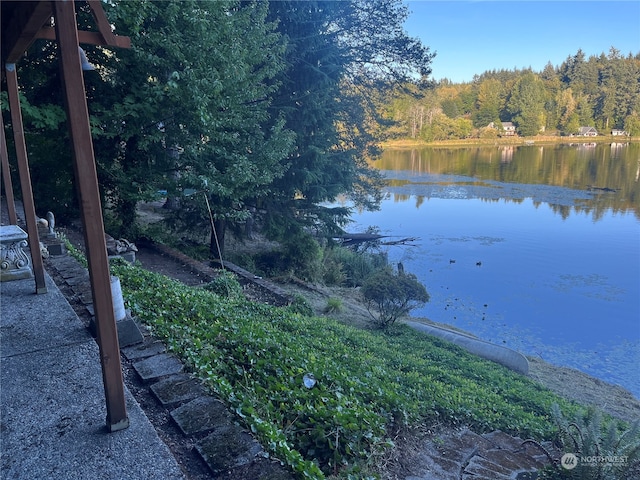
{"x": 568, "y": 121}
{"x": 526, "y": 104}
{"x": 336, "y": 52}
{"x": 186, "y": 109}
{"x": 489, "y": 102}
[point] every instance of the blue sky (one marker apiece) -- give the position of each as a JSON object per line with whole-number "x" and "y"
{"x": 471, "y": 37}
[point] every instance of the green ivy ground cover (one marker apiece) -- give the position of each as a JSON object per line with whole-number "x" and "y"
{"x": 369, "y": 384}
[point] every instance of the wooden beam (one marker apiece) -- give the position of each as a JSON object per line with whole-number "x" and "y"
{"x": 25, "y": 178}
{"x": 90, "y": 38}
{"x": 88, "y": 191}
{"x": 28, "y": 18}
{"x": 103, "y": 22}
{"x": 6, "y": 176}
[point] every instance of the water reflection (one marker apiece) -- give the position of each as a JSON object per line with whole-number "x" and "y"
{"x": 591, "y": 178}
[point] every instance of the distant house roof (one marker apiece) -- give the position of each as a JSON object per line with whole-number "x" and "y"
{"x": 587, "y": 131}
{"x": 505, "y": 125}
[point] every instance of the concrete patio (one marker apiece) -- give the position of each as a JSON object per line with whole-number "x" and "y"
{"x": 52, "y": 420}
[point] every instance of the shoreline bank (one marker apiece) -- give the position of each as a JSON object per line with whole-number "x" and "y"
{"x": 506, "y": 141}
{"x": 565, "y": 381}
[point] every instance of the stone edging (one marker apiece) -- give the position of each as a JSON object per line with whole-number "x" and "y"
{"x": 228, "y": 450}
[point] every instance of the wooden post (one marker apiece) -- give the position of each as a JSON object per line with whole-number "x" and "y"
{"x": 87, "y": 183}
{"x": 25, "y": 178}
{"x": 6, "y": 176}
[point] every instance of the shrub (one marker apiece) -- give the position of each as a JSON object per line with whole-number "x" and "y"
{"x": 226, "y": 285}
{"x": 600, "y": 450}
{"x": 355, "y": 266}
{"x": 299, "y": 255}
{"x": 300, "y": 305}
{"x": 245, "y": 261}
{"x": 333, "y": 271}
{"x": 302, "y": 254}
{"x": 392, "y": 295}
{"x": 333, "y": 305}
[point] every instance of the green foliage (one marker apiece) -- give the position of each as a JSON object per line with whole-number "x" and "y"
{"x": 193, "y": 99}
{"x": 335, "y": 50}
{"x": 299, "y": 255}
{"x": 186, "y": 107}
{"x": 333, "y": 271}
{"x": 73, "y": 251}
{"x": 256, "y": 106}
{"x": 246, "y": 261}
{"x": 301, "y": 306}
{"x": 390, "y": 295}
{"x": 632, "y": 125}
{"x": 333, "y": 305}
{"x": 302, "y": 255}
{"x": 368, "y": 384}
{"x": 526, "y": 104}
{"x": 226, "y": 285}
{"x": 603, "y": 449}
{"x": 351, "y": 268}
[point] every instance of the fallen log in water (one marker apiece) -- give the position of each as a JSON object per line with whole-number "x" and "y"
{"x": 359, "y": 237}
{"x": 402, "y": 241}
{"x": 355, "y": 238}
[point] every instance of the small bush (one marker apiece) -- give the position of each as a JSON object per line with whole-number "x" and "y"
{"x": 333, "y": 270}
{"x": 333, "y": 305}
{"x": 246, "y": 261}
{"x": 301, "y": 305}
{"x": 355, "y": 266}
{"x": 390, "y": 295}
{"x": 226, "y": 285}
{"x": 302, "y": 255}
{"x": 299, "y": 255}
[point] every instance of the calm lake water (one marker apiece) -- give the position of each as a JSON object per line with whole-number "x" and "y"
{"x": 536, "y": 248}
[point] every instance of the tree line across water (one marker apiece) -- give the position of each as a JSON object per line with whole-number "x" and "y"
{"x": 601, "y": 92}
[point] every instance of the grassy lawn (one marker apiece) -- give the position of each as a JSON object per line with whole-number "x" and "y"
{"x": 369, "y": 384}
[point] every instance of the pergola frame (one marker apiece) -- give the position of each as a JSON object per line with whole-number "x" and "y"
{"x": 29, "y": 21}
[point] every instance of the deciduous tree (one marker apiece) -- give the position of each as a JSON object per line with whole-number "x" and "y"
{"x": 390, "y": 295}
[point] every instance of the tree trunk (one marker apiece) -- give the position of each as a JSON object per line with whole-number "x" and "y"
{"x": 126, "y": 211}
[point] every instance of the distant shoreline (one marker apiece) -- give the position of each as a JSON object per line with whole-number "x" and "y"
{"x": 506, "y": 141}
